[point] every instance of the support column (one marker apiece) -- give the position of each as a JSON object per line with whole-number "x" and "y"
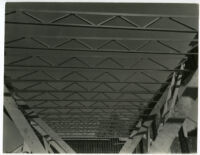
{"x": 23, "y": 125}
{"x": 26, "y": 129}
{"x": 133, "y": 141}
{"x": 183, "y": 141}
{"x": 186, "y": 108}
{"x": 165, "y": 137}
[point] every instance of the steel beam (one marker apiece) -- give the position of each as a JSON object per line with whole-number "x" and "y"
{"x": 64, "y": 147}
{"x": 18, "y": 149}
{"x": 182, "y": 110}
{"x": 103, "y": 27}
{"x": 114, "y": 55}
{"x": 97, "y": 100}
{"x": 130, "y": 146}
{"x": 108, "y": 13}
{"x": 23, "y": 125}
{"x": 183, "y": 141}
{"x": 165, "y": 138}
{"x": 41, "y": 127}
{"x": 100, "y": 82}
{"x": 63, "y": 68}
{"x": 132, "y": 143}
{"x": 26, "y": 148}
{"x": 87, "y": 91}
{"x": 88, "y": 32}
{"x": 47, "y": 145}
{"x": 129, "y": 108}
{"x": 49, "y": 50}
{"x": 169, "y": 105}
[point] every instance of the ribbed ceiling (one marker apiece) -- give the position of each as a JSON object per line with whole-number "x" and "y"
{"x": 92, "y": 70}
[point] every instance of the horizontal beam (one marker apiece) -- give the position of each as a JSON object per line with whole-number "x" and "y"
{"x": 100, "y": 117}
{"x": 85, "y": 126}
{"x": 89, "y": 126}
{"x": 92, "y": 107}
{"x": 87, "y": 136}
{"x": 95, "y": 128}
{"x": 92, "y": 100}
{"x": 99, "y": 51}
{"x": 129, "y": 108}
{"x": 82, "y": 114}
{"x": 86, "y": 91}
{"x": 58, "y": 68}
{"x": 89, "y": 131}
{"x": 107, "y": 13}
{"x": 126, "y": 114}
{"x": 10, "y": 53}
{"x": 81, "y": 120}
{"x": 108, "y": 38}
{"x": 92, "y": 132}
{"x": 80, "y": 123}
{"x": 108, "y": 129}
{"x": 88, "y": 32}
{"x": 86, "y": 81}
{"x": 74, "y": 139}
{"x": 97, "y": 119}
{"x": 103, "y": 27}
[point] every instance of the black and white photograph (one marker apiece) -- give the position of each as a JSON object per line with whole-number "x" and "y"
{"x": 100, "y": 77}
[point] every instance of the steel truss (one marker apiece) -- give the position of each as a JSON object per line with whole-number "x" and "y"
{"x": 32, "y": 129}
{"x": 162, "y": 110}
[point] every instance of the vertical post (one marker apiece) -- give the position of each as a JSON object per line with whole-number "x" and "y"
{"x": 183, "y": 141}
{"x": 131, "y": 144}
{"x": 165, "y": 137}
{"x": 144, "y": 145}
{"x": 148, "y": 139}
